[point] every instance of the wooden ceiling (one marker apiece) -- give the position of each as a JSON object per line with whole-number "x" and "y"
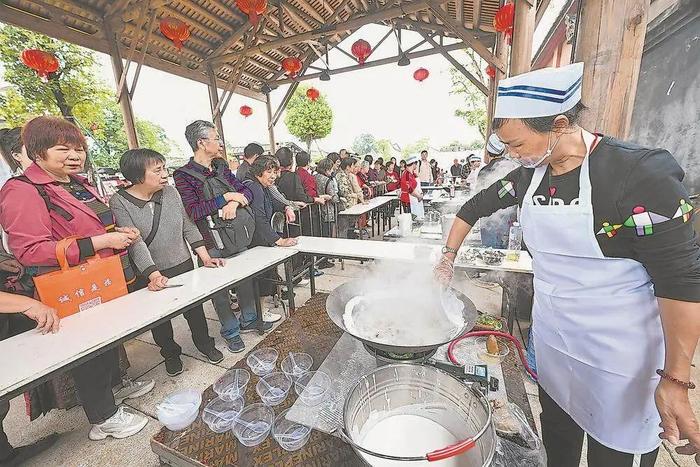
{"x": 218, "y": 28}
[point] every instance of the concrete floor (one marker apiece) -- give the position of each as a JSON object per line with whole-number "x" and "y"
{"x": 75, "y": 449}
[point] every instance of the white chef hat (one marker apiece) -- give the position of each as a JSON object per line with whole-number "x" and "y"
{"x": 412, "y": 159}
{"x": 540, "y": 93}
{"x": 474, "y": 157}
{"x": 494, "y": 145}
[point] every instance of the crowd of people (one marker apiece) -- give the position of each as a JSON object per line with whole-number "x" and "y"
{"x": 158, "y": 231}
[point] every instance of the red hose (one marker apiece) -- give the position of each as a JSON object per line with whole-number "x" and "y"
{"x": 450, "y": 348}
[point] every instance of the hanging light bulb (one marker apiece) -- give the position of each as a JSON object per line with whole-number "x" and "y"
{"x": 324, "y": 76}
{"x": 404, "y": 60}
{"x": 265, "y": 88}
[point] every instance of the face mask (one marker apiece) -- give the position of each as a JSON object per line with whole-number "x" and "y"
{"x": 535, "y": 164}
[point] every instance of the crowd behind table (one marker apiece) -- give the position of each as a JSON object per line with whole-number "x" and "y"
{"x": 158, "y": 231}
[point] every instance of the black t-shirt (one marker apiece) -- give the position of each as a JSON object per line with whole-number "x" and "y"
{"x": 455, "y": 170}
{"x": 641, "y": 210}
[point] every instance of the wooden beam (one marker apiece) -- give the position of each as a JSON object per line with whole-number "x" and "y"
{"x": 124, "y": 99}
{"x": 231, "y": 40}
{"x": 131, "y": 15}
{"x": 285, "y": 101}
{"x": 475, "y": 81}
{"x": 372, "y": 64}
{"x": 476, "y": 14}
{"x": 500, "y": 50}
{"x": 523, "y": 30}
{"x": 144, "y": 51}
{"x": 312, "y": 11}
{"x": 331, "y": 29}
{"x": 297, "y": 16}
{"x": 541, "y": 8}
{"x": 611, "y": 48}
{"x": 214, "y": 103}
{"x": 459, "y": 8}
{"x": 98, "y": 43}
{"x": 58, "y": 14}
{"x": 116, "y": 7}
{"x": 270, "y": 125}
{"x": 466, "y": 36}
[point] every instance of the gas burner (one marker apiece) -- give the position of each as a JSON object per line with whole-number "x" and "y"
{"x": 391, "y": 357}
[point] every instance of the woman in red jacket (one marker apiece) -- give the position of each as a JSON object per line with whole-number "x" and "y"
{"x": 50, "y": 202}
{"x": 393, "y": 180}
{"x": 409, "y": 184}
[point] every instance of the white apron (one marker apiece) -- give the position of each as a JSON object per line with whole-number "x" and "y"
{"x": 596, "y": 324}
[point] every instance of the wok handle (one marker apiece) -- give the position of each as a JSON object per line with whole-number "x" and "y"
{"x": 451, "y": 451}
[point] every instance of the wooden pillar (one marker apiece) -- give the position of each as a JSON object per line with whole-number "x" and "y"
{"x": 500, "y": 51}
{"x": 124, "y": 98}
{"x": 610, "y": 43}
{"x": 270, "y": 124}
{"x": 523, "y": 29}
{"x": 214, "y": 102}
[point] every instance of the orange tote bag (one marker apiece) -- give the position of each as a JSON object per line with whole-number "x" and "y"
{"x": 73, "y": 289}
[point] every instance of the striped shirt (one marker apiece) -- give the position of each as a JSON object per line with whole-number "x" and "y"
{"x": 192, "y": 194}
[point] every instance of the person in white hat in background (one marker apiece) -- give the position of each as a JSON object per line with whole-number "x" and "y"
{"x": 474, "y": 162}
{"x": 616, "y": 315}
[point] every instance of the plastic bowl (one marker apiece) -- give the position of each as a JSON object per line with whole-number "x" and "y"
{"x": 291, "y": 436}
{"x": 179, "y": 409}
{"x": 296, "y": 364}
{"x": 253, "y": 424}
{"x": 313, "y": 388}
{"x": 262, "y": 361}
{"x": 273, "y": 388}
{"x": 232, "y": 384}
{"x": 220, "y": 414}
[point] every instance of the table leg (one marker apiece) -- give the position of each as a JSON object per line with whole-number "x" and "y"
{"x": 258, "y": 305}
{"x": 312, "y": 276}
{"x": 290, "y": 285}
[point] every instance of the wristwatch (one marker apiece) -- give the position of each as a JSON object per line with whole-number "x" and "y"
{"x": 446, "y": 249}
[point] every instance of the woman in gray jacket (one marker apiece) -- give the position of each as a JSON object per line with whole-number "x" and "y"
{"x": 327, "y": 185}
{"x": 162, "y": 251}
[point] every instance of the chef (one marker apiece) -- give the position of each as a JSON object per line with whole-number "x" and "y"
{"x": 616, "y": 314}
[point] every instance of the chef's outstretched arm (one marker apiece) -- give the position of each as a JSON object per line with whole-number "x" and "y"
{"x": 681, "y": 323}
{"x": 502, "y": 194}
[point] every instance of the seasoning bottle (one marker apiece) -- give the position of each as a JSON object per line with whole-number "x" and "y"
{"x": 515, "y": 241}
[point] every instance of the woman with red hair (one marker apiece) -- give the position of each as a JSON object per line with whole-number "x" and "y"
{"x": 46, "y": 204}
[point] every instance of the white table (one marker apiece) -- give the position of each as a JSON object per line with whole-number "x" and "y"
{"x": 349, "y": 215}
{"x": 30, "y": 358}
{"x": 425, "y": 254}
{"x": 399, "y": 251}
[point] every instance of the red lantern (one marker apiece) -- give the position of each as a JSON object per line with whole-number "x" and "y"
{"x": 491, "y": 71}
{"x": 503, "y": 20}
{"x": 421, "y": 74}
{"x": 246, "y": 111}
{"x": 175, "y": 30}
{"x": 292, "y": 66}
{"x": 41, "y": 62}
{"x": 253, "y": 8}
{"x": 361, "y": 50}
{"x": 313, "y": 94}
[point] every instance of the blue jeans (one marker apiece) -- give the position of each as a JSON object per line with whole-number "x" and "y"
{"x": 230, "y": 325}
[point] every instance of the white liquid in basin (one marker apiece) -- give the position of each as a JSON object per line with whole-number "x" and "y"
{"x": 407, "y": 435}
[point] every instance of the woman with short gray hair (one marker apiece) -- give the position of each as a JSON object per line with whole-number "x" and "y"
{"x": 162, "y": 252}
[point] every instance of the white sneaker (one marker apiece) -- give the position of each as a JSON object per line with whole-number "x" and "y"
{"x": 133, "y": 389}
{"x": 122, "y": 424}
{"x": 269, "y": 316}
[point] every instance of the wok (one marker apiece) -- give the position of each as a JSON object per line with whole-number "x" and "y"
{"x": 338, "y": 298}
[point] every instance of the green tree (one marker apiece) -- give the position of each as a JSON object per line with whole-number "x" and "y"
{"x": 364, "y": 144}
{"x": 384, "y": 149}
{"x": 415, "y": 147}
{"x": 306, "y": 119}
{"x": 474, "y": 109}
{"x": 73, "y": 92}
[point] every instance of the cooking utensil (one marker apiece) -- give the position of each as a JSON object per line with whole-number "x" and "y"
{"x": 335, "y": 307}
